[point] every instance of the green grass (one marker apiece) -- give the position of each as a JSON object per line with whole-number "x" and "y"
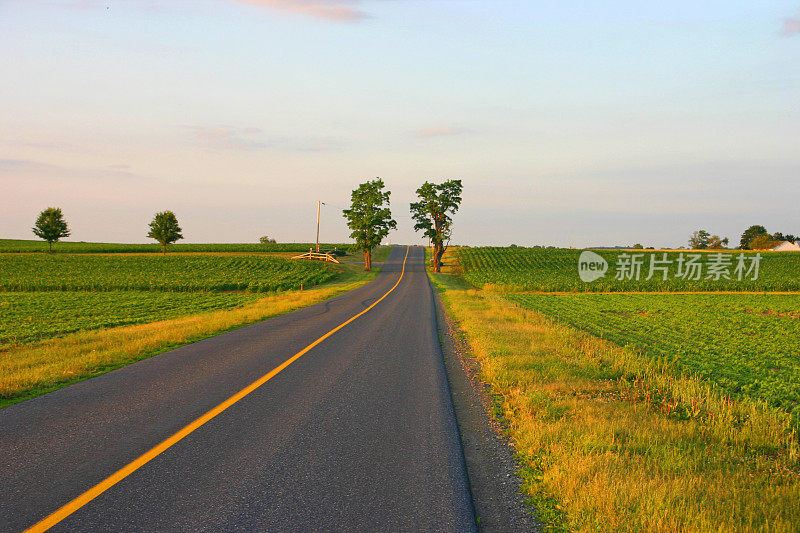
{"x": 743, "y": 343}
{"x": 51, "y": 338}
{"x": 32, "y": 316}
{"x": 47, "y": 295}
{"x": 379, "y": 253}
{"x": 254, "y": 273}
{"x": 556, "y": 270}
{"x": 34, "y": 368}
{"x": 622, "y": 435}
{"x": 24, "y": 245}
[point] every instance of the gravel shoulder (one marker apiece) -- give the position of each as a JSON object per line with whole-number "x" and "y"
{"x": 491, "y": 464}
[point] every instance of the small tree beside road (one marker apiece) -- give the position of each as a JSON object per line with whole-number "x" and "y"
{"x": 432, "y": 214}
{"x": 369, "y": 217}
{"x": 165, "y": 229}
{"x": 51, "y": 226}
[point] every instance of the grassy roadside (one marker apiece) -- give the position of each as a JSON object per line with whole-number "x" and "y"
{"x": 600, "y": 445}
{"x": 379, "y": 254}
{"x": 32, "y": 369}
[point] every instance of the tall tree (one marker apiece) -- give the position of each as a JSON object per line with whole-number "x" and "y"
{"x": 751, "y": 233}
{"x": 165, "y": 229}
{"x": 699, "y": 239}
{"x": 778, "y": 236}
{"x": 369, "y": 217}
{"x": 716, "y": 242}
{"x": 51, "y": 226}
{"x": 432, "y": 213}
{"x": 763, "y": 241}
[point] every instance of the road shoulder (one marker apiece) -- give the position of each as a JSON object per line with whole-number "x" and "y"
{"x": 489, "y": 454}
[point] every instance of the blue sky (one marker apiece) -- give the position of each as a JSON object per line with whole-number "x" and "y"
{"x": 570, "y": 123}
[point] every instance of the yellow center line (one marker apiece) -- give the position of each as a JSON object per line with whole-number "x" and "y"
{"x": 59, "y": 515}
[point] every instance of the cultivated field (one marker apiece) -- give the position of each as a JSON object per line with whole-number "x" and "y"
{"x": 196, "y": 272}
{"x": 640, "y": 411}
{"x": 68, "y": 316}
{"x": 746, "y": 344}
{"x": 26, "y": 246}
{"x": 534, "y": 269}
{"x": 32, "y": 316}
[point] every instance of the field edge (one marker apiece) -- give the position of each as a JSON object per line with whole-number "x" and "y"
{"x": 750, "y": 446}
{"x": 75, "y": 357}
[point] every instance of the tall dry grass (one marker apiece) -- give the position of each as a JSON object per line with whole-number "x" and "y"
{"x": 32, "y": 369}
{"x": 610, "y": 440}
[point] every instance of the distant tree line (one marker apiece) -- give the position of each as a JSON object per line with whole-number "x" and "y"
{"x": 754, "y": 238}
{"x": 52, "y": 227}
{"x": 702, "y": 240}
{"x": 369, "y": 217}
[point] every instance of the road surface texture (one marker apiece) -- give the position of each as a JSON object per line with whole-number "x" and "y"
{"x": 357, "y": 434}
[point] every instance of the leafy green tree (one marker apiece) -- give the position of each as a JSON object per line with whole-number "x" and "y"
{"x": 165, "y": 229}
{"x": 763, "y": 241}
{"x": 778, "y": 236}
{"x": 369, "y": 217}
{"x": 266, "y": 239}
{"x": 51, "y": 226}
{"x": 751, "y": 233}
{"x": 432, "y": 213}
{"x": 715, "y": 242}
{"x": 699, "y": 239}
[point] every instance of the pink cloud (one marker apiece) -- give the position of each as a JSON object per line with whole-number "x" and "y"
{"x": 791, "y": 26}
{"x": 335, "y": 10}
{"x": 440, "y": 131}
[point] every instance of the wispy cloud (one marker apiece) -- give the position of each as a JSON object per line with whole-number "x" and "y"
{"x": 26, "y": 169}
{"x": 440, "y": 131}
{"x": 334, "y": 10}
{"x": 226, "y": 137}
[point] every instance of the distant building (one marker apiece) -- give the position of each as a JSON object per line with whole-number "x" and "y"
{"x": 786, "y": 246}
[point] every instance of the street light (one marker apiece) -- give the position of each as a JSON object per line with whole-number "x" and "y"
{"x": 319, "y": 205}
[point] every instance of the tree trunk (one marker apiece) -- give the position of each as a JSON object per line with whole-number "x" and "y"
{"x": 438, "y": 252}
{"x": 51, "y": 246}
{"x": 368, "y": 260}
{"x": 163, "y": 249}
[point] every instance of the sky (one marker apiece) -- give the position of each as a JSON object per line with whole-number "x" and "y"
{"x": 570, "y": 123}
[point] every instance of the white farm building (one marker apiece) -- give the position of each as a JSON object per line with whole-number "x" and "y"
{"x": 786, "y": 246}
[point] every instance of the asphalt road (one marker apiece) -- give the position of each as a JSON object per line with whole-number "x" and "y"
{"x": 358, "y": 434}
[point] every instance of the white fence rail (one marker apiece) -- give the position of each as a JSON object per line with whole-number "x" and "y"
{"x": 317, "y": 256}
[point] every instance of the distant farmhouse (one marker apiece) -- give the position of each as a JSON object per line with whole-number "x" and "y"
{"x": 786, "y": 246}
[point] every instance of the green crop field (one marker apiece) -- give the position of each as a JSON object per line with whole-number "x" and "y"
{"x": 32, "y": 316}
{"x": 253, "y": 273}
{"x": 23, "y": 246}
{"x": 624, "y": 405}
{"x": 536, "y": 269}
{"x": 745, "y": 343}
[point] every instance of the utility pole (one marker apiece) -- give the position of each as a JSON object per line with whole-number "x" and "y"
{"x": 319, "y": 205}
